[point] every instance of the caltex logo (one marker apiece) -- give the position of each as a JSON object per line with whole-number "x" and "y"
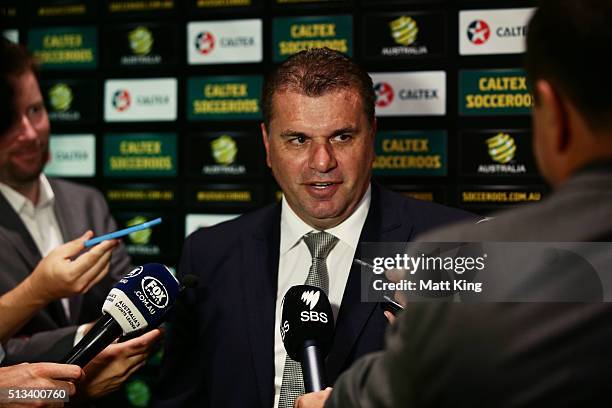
{"x": 478, "y": 32}
{"x": 205, "y": 42}
{"x": 384, "y": 94}
{"x": 121, "y": 100}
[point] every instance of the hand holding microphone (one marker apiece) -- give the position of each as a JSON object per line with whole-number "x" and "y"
{"x": 116, "y": 363}
{"x": 139, "y": 301}
{"x": 307, "y": 330}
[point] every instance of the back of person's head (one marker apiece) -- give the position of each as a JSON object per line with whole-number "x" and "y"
{"x": 568, "y": 44}
{"x": 314, "y": 73}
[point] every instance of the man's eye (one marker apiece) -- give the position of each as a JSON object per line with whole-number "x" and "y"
{"x": 36, "y": 110}
{"x": 298, "y": 140}
{"x": 342, "y": 138}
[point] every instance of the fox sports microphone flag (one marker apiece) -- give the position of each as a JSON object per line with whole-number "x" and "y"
{"x": 138, "y": 302}
{"x": 142, "y": 297}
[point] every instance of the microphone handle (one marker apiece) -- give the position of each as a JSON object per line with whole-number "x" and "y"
{"x": 312, "y": 367}
{"x": 104, "y": 332}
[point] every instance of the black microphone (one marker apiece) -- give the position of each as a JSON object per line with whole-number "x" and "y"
{"x": 307, "y": 330}
{"x": 138, "y": 302}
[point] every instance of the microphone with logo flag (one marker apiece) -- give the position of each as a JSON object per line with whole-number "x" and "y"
{"x": 307, "y": 330}
{"x": 137, "y": 303}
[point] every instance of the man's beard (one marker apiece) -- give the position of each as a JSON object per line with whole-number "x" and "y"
{"x": 17, "y": 175}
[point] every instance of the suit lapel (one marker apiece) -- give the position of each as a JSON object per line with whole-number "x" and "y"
{"x": 19, "y": 236}
{"x": 383, "y": 224}
{"x": 260, "y": 263}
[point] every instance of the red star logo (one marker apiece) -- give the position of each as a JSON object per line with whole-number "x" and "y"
{"x": 384, "y": 94}
{"x": 478, "y": 32}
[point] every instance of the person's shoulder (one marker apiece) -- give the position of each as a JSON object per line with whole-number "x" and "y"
{"x": 520, "y": 224}
{"x": 424, "y": 214}
{"x": 70, "y": 187}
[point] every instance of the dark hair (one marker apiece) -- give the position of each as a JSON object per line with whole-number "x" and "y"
{"x": 568, "y": 43}
{"x": 316, "y": 72}
{"x": 16, "y": 60}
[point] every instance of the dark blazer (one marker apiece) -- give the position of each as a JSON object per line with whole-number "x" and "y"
{"x": 220, "y": 348}
{"x": 505, "y": 354}
{"x": 49, "y": 335}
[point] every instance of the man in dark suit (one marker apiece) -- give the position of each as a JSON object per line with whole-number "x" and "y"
{"x": 523, "y": 354}
{"x": 224, "y": 346}
{"x": 36, "y": 216}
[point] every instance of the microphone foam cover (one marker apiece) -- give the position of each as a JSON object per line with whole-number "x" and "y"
{"x": 306, "y": 317}
{"x": 141, "y": 298}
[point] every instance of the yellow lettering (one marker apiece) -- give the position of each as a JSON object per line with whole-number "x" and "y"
{"x": 292, "y": 47}
{"x": 514, "y": 83}
{"x": 63, "y": 41}
{"x": 312, "y": 30}
{"x": 140, "y": 147}
{"x": 405, "y": 145}
{"x": 226, "y": 90}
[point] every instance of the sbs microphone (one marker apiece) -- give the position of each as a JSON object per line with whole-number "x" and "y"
{"x": 138, "y": 302}
{"x": 307, "y": 330}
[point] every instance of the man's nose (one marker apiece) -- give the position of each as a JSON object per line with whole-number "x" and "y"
{"x": 26, "y": 130}
{"x": 322, "y": 157}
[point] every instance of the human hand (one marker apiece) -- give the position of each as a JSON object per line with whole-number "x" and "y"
{"x": 313, "y": 399}
{"x": 116, "y": 363}
{"x": 57, "y": 276}
{"x": 40, "y": 375}
{"x": 396, "y": 276}
{"x": 390, "y": 316}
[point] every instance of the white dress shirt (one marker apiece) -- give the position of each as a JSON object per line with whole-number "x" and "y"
{"x": 39, "y": 219}
{"x": 295, "y": 260}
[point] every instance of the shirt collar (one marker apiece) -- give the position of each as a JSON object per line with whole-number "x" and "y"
{"x": 293, "y": 228}
{"x": 46, "y": 197}
{"x": 21, "y": 204}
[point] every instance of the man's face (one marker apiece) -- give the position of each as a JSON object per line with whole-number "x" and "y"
{"x": 24, "y": 148}
{"x": 320, "y": 150}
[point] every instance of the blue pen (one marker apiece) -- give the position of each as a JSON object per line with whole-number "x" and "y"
{"x": 122, "y": 232}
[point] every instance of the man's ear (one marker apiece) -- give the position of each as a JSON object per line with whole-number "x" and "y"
{"x": 551, "y": 112}
{"x": 373, "y": 129}
{"x": 266, "y": 142}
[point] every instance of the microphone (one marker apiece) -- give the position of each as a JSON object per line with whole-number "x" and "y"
{"x": 307, "y": 330}
{"x": 138, "y": 302}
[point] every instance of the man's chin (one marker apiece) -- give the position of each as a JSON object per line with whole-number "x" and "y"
{"x": 326, "y": 219}
{"x": 26, "y": 175}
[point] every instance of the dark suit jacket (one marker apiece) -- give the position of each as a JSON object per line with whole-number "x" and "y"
{"x": 49, "y": 335}
{"x": 504, "y": 354}
{"x": 220, "y": 349}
